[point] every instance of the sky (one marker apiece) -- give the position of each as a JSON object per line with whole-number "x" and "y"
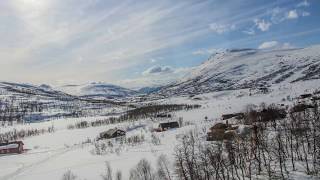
{"x": 136, "y": 43}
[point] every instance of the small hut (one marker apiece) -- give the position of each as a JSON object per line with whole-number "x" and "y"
{"x": 168, "y": 125}
{"x": 235, "y": 115}
{"x": 304, "y": 96}
{"x": 163, "y": 115}
{"x": 301, "y": 107}
{"x": 112, "y": 133}
{"x": 217, "y": 132}
{"x": 11, "y": 147}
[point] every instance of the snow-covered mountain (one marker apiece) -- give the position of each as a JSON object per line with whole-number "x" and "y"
{"x": 246, "y": 68}
{"x": 148, "y": 90}
{"x": 24, "y": 89}
{"x": 98, "y": 90}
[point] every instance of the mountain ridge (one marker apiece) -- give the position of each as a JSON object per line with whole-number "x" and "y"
{"x": 239, "y": 69}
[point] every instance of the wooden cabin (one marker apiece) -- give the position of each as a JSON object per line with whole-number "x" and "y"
{"x": 168, "y": 125}
{"x": 11, "y": 147}
{"x": 217, "y": 132}
{"x": 235, "y": 115}
{"x": 304, "y": 96}
{"x": 163, "y": 116}
{"x": 225, "y": 132}
{"x": 272, "y": 114}
{"x": 263, "y": 90}
{"x": 301, "y": 108}
{"x": 219, "y": 126}
{"x": 112, "y": 133}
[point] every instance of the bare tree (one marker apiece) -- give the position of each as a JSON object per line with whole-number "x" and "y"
{"x": 108, "y": 173}
{"x": 119, "y": 175}
{"x": 142, "y": 171}
{"x": 69, "y": 176}
{"x": 163, "y": 168}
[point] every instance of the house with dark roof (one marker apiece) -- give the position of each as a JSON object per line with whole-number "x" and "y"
{"x": 168, "y": 125}
{"x": 112, "y": 133}
{"x": 11, "y": 147}
{"x": 163, "y": 115}
{"x": 304, "y": 96}
{"x": 235, "y": 115}
{"x": 301, "y": 108}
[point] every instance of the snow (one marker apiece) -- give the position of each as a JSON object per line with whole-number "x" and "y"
{"x": 50, "y": 155}
{"x": 97, "y": 89}
{"x": 239, "y": 69}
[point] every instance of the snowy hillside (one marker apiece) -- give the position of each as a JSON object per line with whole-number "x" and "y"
{"x": 30, "y": 103}
{"x": 21, "y": 89}
{"x": 54, "y": 115}
{"x": 50, "y": 155}
{"x": 148, "y": 90}
{"x": 246, "y": 68}
{"x": 98, "y": 90}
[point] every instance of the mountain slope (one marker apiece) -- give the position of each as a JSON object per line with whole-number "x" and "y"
{"x": 246, "y": 68}
{"x": 22, "y": 89}
{"x": 148, "y": 90}
{"x": 98, "y": 90}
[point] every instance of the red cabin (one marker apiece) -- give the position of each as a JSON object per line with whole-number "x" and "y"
{"x": 11, "y": 147}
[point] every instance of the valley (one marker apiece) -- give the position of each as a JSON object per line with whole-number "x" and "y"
{"x": 61, "y": 131}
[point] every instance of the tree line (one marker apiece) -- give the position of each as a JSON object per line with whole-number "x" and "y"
{"x": 148, "y": 111}
{"x": 275, "y": 149}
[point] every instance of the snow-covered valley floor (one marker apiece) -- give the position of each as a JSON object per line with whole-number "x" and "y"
{"x": 50, "y": 155}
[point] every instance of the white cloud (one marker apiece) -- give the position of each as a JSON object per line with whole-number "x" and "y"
{"x": 158, "y": 70}
{"x": 268, "y": 45}
{"x": 275, "y": 45}
{"x": 262, "y": 24}
{"x": 206, "y": 51}
{"x": 279, "y": 15}
{"x": 250, "y": 31}
{"x": 155, "y": 59}
{"x": 221, "y": 28}
{"x": 98, "y": 40}
{"x": 292, "y": 14}
{"x": 304, "y": 3}
{"x": 103, "y": 40}
{"x": 305, "y": 13}
{"x": 157, "y": 79}
{"x": 287, "y": 46}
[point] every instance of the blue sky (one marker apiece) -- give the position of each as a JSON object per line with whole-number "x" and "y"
{"x": 140, "y": 43}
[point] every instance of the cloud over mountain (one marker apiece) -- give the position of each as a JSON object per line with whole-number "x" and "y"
{"x": 275, "y": 45}
{"x": 158, "y": 70}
